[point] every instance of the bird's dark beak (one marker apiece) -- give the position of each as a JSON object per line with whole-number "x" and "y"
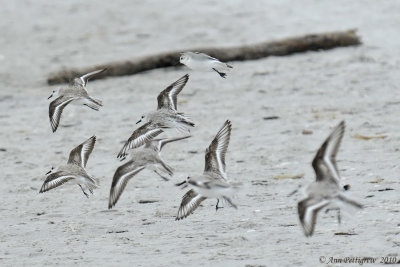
{"x": 52, "y": 168}
{"x": 181, "y": 183}
{"x": 138, "y": 121}
{"x": 50, "y": 96}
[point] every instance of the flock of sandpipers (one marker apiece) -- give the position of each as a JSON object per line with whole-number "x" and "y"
{"x": 143, "y": 149}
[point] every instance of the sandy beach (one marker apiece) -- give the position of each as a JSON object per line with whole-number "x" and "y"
{"x": 310, "y": 93}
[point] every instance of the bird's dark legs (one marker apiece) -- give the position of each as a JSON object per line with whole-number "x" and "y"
{"x": 223, "y": 75}
{"x": 338, "y": 215}
{"x": 230, "y": 202}
{"x": 227, "y": 200}
{"x": 84, "y": 191}
{"x": 216, "y": 206}
{"x": 165, "y": 178}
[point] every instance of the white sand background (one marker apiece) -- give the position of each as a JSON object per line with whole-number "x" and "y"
{"x": 309, "y": 91}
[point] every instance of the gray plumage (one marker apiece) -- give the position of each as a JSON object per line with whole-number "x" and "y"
{"x": 76, "y": 91}
{"x": 74, "y": 171}
{"x": 213, "y": 182}
{"x": 326, "y": 189}
{"x": 203, "y": 62}
{"x": 148, "y": 156}
{"x": 165, "y": 117}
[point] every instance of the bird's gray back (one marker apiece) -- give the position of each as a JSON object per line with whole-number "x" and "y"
{"x": 74, "y": 170}
{"x": 323, "y": 189}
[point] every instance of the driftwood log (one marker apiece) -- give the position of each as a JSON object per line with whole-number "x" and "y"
{"x": 310, "y": 42}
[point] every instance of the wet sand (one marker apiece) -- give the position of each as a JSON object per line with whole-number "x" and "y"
{"x": 310, "y": 91}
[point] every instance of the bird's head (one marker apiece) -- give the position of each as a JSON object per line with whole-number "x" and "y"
{"x": 52, "y": 168}
{"x": 52, "y": 93}
{"x": 184, "y": 58}
{"x": 142, "y": 118}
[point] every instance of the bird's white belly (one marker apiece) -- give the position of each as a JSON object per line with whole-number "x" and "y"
{"x": 78, "y": 102}
{"x": 213, "y": 192}
{"x": 200, "y": 65}
{"x": 80, "y": 180}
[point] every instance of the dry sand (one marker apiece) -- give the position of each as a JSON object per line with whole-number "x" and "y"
{"x": 310, "y": 91}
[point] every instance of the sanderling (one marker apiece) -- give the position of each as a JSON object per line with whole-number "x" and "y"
{"x": 326, "y": 189}
{"x": 203, "y": 62}
{"x": 213, "y": 183}
{"x": 147, "y": 156}
{"x": 76, "y": 91}
{"x": 74, "y": 170}
{"x": 165, "y": 117}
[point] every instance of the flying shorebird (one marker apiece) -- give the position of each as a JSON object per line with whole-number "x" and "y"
{"x": 147, "y": 156}
{"x": 74, "y": 171}
{"x": 165, "y": 117}
{"x": 76, "y": 91}
{"x": 213, "y": 182}
{"x": 203, "y": 62}
{"x": 326, "y": 189}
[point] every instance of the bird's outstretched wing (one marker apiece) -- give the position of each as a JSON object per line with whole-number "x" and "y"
{"x": 190, "y": 201}
{"x": 121, "y": 177}
{"x": 215, "y": 153}
{"x": 56, "y": 108}
{"x": 85, "y": 78}
{"x": 324, "y": 162}
{"x": 80, "y": 154}
{"x": 167, "y": 99}
{"x": 56, "y": 179}
{"x": 139, "y": 137}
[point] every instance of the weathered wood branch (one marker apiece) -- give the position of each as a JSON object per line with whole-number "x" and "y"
{"x": 310, "y": 42}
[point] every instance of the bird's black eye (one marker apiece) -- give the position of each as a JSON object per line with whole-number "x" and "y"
{"x": 142, "y": 117}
